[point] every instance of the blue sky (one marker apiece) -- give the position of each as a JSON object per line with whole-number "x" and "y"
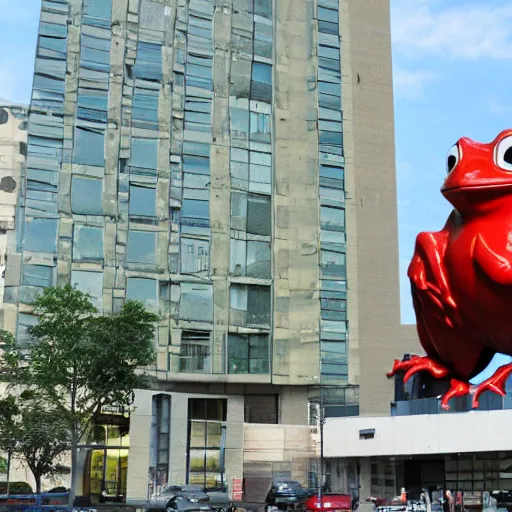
{"x": 452, "y": 65}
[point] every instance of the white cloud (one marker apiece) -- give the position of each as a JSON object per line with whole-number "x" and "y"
{"x": 470, "y": 30}
{"x": 410, "y": 85}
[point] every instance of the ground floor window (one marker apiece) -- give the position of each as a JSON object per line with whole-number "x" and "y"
{"x": 206, "y": 442}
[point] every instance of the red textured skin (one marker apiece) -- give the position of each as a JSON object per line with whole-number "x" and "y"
{"x": 461, "y": 276}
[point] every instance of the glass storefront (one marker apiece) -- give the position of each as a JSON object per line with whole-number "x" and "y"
{"x": 206, "y": 442}
{"x": 106, "y": 464}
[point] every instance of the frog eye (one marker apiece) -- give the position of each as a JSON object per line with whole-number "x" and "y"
{"x": 452, "y": 159}
{"x": 504, "y": 154}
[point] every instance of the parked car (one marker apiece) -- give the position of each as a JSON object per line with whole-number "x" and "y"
{"x": 286, "y": 493}
{"x": 175, "y": 494}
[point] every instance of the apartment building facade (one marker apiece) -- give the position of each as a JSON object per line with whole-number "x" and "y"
{"x": 230, "y": 164}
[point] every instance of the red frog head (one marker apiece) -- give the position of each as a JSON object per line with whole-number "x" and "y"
{"x": 479, "y": 176}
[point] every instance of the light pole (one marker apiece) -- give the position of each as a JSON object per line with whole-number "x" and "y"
{"x": 321, "y": 419}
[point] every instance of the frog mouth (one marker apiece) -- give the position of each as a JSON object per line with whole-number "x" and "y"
{"x": 498, "y": 188}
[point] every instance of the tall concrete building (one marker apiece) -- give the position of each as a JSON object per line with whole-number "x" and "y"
{"x": 229, "y": 163}
{"x": 13, "y": 150}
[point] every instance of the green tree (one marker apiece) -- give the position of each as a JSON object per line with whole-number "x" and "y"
{"x": 81, "y": 361}
{"x": 33, "y": 431}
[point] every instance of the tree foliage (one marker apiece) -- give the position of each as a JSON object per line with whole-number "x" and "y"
{"x": 80, "y": 360}
{"x": 35, "y": 432}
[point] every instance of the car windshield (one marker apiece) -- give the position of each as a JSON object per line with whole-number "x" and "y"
{"x": 288, "y": 486}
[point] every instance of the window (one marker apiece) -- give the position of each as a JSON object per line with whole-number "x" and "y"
{"x": 341, "y": 401}
{"x": 195, "y": 255}
{"x": 87, "y": 243}
{"x": 144, "y": 153}
{"x": 92, "y": 104}
{"x": 249, "y": 305}
{"x": 263, "y": 8}
{"x": 251, "y": 213}
{"x": 97, "y": 9}
{"x": 145, "y": 108}
{"x": 89, "y": 146}
{"x": 141, "y": 247}
{"x": 196, "y": 302}
{"x": 196, "y": 165}
{"x": 25, "y": 321}
{"x": 143, "y": 290}
{"x": 333, "y": 264}
{"x": 261, "y": 82}
{"x": 40, "y": 235}
{"x": 160, "y": 437}
{"x": 193, "y": 208}
{"x": 142, "y": 201}
{"x": 239, "y": 122}
{"x": 206, "y": 442}
{"x": 258, "y": 215}
{"x": 250, "y": 258}
{"x": 260, "y": 169}
{"x": 248, "y": 354}
{"x": 261, "y": 409}
{"x": 91, "y": 283}
{"x": 148, "y": 63}
{"x": 260, "y": 127}
{"x": 37, "y": 275}
{"x": 195, "y": 352}
{"x": 86, "y": 196}
{"x": 332, "y": 219}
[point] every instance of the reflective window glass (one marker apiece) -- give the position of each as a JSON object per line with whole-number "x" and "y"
{"x": 86, "y": 196}
{"x": 258, "y": 215}
{"x": 248, "y": 354}
{"x": 258, "y": 259}
{"x": 91, "y": 283}
{"x": 332, "y": 219}
{"x": 196, "y": 302}
{"x": 262, "y": 72}
{"x": 98, "y": 8}
{"x": 142, "y": 201}
{"x": 141, "y": 246}
{"x": 249, "y": 305}
{"x": 148, "y": 63}
{"x": 144, "y": 153}
{"x": 40, "y": 235}
{"x": 142, "y": 290}
{"x": 195, "y": 255}
{"x": 25, "y": 321}
{"x": 333, "y": 263}
{"x": 263, "y": 8}
{"x": 89, "y": 146}
{"x": 37, "y": 275}
{"x": 196, "y": 209}
{"x": 196, "y": 164}
{"x": 87, "y": 243}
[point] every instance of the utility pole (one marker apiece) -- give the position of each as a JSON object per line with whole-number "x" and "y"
{"x": 322, "y": 422}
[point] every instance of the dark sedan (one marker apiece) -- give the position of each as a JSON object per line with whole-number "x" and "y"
{"x": 286, "y": 493}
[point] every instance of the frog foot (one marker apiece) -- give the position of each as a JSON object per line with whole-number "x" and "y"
{"x": 457, "y": 388}
{"x": 495, "y": 383}
{"x": 419, "y": 364}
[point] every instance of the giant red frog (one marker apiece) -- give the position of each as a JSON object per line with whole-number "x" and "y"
{"x": 461, "y": 276}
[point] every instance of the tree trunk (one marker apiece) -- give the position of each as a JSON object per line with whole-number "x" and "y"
{"x": 37, "y": 478}
{"x": 74, "y": 458}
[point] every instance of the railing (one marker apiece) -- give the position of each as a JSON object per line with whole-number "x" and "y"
{"x": 46, "y": 502}
{"x": 488, "y": 402}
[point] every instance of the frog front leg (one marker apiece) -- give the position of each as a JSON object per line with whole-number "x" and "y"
{"x": 497, "y": 267}
{"x": 428, "y": 275}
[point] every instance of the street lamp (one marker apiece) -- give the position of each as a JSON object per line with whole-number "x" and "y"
{"x": 321, "y": 419}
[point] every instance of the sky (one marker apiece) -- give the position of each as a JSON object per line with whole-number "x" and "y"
{"x": 452, "y": 67}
